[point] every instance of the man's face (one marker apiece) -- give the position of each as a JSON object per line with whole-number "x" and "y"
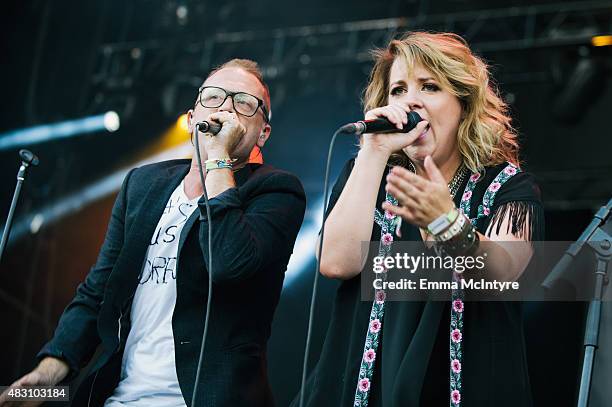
{"x": 235, "y": 79}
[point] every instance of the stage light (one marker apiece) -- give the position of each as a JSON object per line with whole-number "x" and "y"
{"x": 601, "y": 40}
{"x": 111, "y": 121}
{"x": 303, "y": 256}
{"x": 182, "y": 122}
{"x": 32, "y": 223}
{"x": 108, "y": 121}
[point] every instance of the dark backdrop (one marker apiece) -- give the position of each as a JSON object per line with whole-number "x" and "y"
{"x": 68, "y": 59}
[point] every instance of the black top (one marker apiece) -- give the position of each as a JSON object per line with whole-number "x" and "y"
{"x": 254, "y": 228}
{"x": 412, "y": 362}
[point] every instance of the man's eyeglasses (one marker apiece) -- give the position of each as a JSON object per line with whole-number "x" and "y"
{"x": 244, "y": 103}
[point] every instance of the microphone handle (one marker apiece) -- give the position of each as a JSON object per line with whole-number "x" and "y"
{"x": 382, "y": 125}
{"x": 209, "y": 127}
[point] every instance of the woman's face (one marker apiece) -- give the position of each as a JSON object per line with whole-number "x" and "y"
{"x": 420, "y": 92}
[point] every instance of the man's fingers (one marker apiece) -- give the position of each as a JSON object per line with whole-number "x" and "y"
{"x": 31, "y": 379}
{"x": 224, "y": 117}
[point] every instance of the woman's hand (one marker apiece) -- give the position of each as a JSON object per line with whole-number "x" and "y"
{"x": 389, "y": 143}
{"x": 421, "y": 200}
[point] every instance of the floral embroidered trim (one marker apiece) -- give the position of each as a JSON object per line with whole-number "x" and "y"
{"x": 457, "y": 305}
{"x": 484, "y": 209}
{"x": 388, "y": 223}
{"x": 456, "y": 337}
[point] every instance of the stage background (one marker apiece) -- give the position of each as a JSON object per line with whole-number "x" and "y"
{"x": 144, "y": 59}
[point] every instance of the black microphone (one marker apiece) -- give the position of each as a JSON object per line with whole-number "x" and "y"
{"x": 208, "y": 127}
{"x": 380, "y": 125}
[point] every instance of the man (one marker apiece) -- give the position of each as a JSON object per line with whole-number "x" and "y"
{"x": 144, "y": 301}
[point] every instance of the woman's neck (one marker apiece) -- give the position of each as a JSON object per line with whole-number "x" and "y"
{"x": 448, "y": 168}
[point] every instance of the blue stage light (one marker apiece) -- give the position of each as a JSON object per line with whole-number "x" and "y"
{"x": 108, "y": 121}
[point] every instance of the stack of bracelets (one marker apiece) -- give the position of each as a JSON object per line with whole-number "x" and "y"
{"x": 217, "y": 164}
{"x": 454, "y": 234}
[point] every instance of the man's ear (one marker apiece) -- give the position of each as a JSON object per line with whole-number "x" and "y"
{"x": 190, "y": 123}
{"x": 264, "y": 135}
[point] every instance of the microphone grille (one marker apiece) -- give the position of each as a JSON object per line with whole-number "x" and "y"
{"x": 413, "y": 118}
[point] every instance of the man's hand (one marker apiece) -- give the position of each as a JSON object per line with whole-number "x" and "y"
{"x": 224, "y": 143}
{"x": 49, "y": 372}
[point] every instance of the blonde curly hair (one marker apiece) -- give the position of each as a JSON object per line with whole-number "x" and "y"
{"x": 485, "y": 136}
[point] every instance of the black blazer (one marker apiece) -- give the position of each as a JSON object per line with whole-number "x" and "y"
{"x": 254, "y": 229}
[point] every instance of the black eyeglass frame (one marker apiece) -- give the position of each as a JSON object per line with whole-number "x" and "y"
{"x": 260, "y": 103}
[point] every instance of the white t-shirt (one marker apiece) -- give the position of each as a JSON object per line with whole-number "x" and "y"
{"x": 148, "y": 371}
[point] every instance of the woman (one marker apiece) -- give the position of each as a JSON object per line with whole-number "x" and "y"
{"x": 455, "y": 181}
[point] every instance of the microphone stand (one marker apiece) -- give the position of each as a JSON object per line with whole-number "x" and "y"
{"x": 601, "y": 243}
{"x": 27, "y": 159}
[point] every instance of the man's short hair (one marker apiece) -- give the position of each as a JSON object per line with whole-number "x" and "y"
{"x": 251, "y": 67}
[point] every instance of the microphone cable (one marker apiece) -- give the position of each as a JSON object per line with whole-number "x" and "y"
{"x": 351, "y": 128}
{"x": 318, "y": 268}
{"x": 210, "y": 271}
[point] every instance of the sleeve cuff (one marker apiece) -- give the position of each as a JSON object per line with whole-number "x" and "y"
{"x": 56, "y": 353}
{"x": 226, "y": 200}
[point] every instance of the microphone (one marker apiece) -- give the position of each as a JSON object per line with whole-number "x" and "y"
{"x": 380, "y": 125}
{"x": 208, "y": 127}
{"x": 28, "y": 157}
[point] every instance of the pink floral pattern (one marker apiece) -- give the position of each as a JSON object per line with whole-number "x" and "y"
{"x": 364, "y": 385}
{"x": 484, "y": 209}
{"x": 456, "y": 397}
{"x": 458, "y": 305}
{"x": 375, "y": 326}
{"x": 455, "y": 346}
{"x": 456, "y": 366}
{"x": 369, "y": 356}
{"x": 387, "y": 239}
{"x": 509, "y": 170}
{"x": 456, "y": 335}
{"x": 380, "y": 296}
{"x": 494, "y": 187}
{"x": 387, "y": 224}
{"x": 457, "y": 309}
